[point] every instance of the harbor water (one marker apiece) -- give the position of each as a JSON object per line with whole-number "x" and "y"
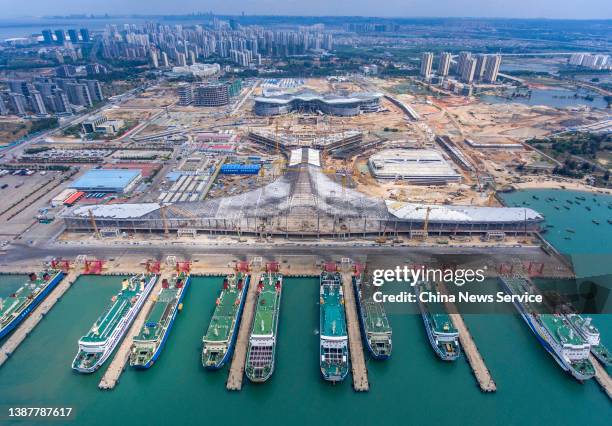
{"x": 413, "y": 387}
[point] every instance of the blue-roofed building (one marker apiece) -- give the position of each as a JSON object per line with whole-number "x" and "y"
{"x": 120, "y": 181}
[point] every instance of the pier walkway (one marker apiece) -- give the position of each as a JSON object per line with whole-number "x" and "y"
{"x": 236, "y": 373}
{"x": 602, "y": 377}
{"x": 116, "y": 367}
{"x": 24, "y": 329}
{"x": 481, "y": 372}
{"x": 358, "y": 366}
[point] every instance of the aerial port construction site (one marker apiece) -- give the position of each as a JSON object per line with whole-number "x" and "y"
{"x": 253, "y": 183}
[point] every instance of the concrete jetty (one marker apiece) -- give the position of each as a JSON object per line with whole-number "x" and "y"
{"x": 481, "y": 372}
{"x": 602, "y": 377}
{"x": 236, "y": 373}
{"x": 358, "y": 366}
{"x": 119, "y": 362}
{"x": 24, "y": 329}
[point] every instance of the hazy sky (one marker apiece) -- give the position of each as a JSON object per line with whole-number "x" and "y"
{"x": 572, "y": 9}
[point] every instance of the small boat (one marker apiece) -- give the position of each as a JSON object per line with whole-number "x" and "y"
{"x": 570, "y": 201}
{"x": 557, "y": 208}
{"x": 570, "y": 230}
{"x": 567, "y": 238}
{"x": 610, "y": 221}
{"x": 596, "y": 222}
{"x": 566, "y": 207}
{"x": 535, "y": 198}
{"x": 588, "y": 208}
{"x": 550, "y": 225}
{"x": 580, "y": 198}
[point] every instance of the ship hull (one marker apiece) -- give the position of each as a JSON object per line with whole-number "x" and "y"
{"x": 161, "y": 345}
{"x": 117, "y": 336}
{"x": 340, "y": 368}
{"x": 444, "y": 356}
{"x": 39, "y": 298}
{"x": 373, "y": 352}
{"x": 262, "y": 379}
{"x": 232, "y": 341}
{"x": 536, "y": 330}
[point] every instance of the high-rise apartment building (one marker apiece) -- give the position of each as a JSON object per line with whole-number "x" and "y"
{"x": 444, "y": 64}
{"x": 492, "y": 69}
{"x": 426, "y": 63}
{"x": 469, "y": 69}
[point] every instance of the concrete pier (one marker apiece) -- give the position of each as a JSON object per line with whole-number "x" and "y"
{"x": 24, "y": 329}
{"x": 602, "y": 377}
{"x": 119, "y": 362}
{"x": 236, "y": 373}
{"x": 358, "y": 366}
{"x": 481, "y": 372}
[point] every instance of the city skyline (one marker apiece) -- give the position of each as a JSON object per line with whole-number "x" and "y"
{"x": 520, "y": 9}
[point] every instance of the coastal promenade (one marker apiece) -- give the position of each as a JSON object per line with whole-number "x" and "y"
{"x": 236, "y": 372}
{"x": 26, "y": 327}
{"x": 481, "y": 372}
{"x": 116, "y": 367}
{"x": 358, "y": 366}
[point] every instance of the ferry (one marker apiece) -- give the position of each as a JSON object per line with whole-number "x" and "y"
{"x": 554, "y": 332}
{"x": 590, "y": 333}
{"x": 151, "y": 339}
{"x": 373, "y": 320}
{"x": 442, "y": 334}
{"x": 333, "y": 338}
{"x": 264, "y": 331}
{"x": 18, "y": 305}
{"x": 108, "y": 330}
{"x": 218, "y": 342}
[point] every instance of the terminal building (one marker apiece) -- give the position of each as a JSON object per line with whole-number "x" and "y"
{"x": 278, "y": 103}
{"x": 120, "y": 181}
{"x": 417, "y": 166}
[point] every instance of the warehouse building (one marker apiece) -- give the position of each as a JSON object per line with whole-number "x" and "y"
{"x": 417, "y": 166}
{"x": 108, "y": 180}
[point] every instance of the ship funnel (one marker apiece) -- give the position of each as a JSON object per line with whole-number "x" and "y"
{"x": 142, "y": 285}
{"x": 124, "y": 284}
{"x": 262, "y": 325}
{"x": 587, "y": 321}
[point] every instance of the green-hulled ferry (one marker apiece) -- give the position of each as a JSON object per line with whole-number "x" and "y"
{"x": 150, "y": 341}
{"x": 98, "y": 344}
{"x": 333, "y": 339}
{"x": 373, "y": 319}
{"x": 18, "y": 305}
{"x": 442, "y": 334}
{"x": 590, "y": 333}
{"x": 218, "y": 342}
{"x": 264, "y": 332}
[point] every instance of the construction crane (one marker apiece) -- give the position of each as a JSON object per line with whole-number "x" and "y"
{"x": 428, "y": 210}
{"x": 162, "y": 211}
{"x": 92, "y": 220}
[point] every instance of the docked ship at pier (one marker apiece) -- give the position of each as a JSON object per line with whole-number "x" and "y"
{"x": 333, "y": 338}
{"x": 264, "y": 331}
{"x": 373, "y": 320}
{"x": 585, "y": 328}
{"x": 152, "y": 337}
{"x": 554, "y": 331}
{"x": 16, "y": 307}
{"x": 442, "y": 334}
{"x": 108, "y": 330}
{"x": 220, "y": 338}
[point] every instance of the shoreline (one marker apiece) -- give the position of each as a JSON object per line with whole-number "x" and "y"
{"x": 570, "y": 186}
